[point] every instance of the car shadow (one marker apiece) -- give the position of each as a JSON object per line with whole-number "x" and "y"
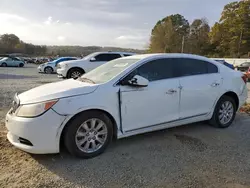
{"x": 14, "y": 76}
{"x": 147, "y": 159}
{"x": 129, "y": 157}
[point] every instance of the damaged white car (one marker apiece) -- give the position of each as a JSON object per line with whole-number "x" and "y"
{"x": 124, "y": 97}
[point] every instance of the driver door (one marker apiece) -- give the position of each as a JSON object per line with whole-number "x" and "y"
{"x": 154, "y": 104}
{"x": 10, "y": 62}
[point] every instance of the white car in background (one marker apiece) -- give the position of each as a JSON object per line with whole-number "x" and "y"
{"x": 73, "y": 69}
{"x": 50, "y": 67}
{"x": 124, "y": 97}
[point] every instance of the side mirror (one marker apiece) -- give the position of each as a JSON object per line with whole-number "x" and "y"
{"x": 92, "y": 59}
{"x": 138, "y": 81}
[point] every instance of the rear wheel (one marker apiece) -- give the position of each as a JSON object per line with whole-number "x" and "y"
{"x": 224, "y": 112}
{"x": 4, "y": 65}
{"x": 48, "y": 70}
{"x": 88, "y": 134}
{"x": 75, "y": 72}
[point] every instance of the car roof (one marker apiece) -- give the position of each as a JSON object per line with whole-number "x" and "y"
{"x": 167, "y": 55}
{"x": 111, "y": 52}
{"x": 65, "y": 58}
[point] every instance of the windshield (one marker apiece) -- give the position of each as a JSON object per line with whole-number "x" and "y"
{"x": 4, "y": 58}
{"x": 109, "y": 70}
{"x": 89, "y": 56}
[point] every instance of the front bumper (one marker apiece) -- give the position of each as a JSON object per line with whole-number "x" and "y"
{"x": 40, "y": 69}
{"x": 42, "y": 132}
{"x": 61, "y": 73}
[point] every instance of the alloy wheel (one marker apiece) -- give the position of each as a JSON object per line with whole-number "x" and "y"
{"x": 48, "y": 70}
{"x": 91, "y": 135}
{"x": 226, "y": 112}
{"x": 75, "y": 74}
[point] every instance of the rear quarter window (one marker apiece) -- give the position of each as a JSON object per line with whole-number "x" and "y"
{"x": 211, "y": 68}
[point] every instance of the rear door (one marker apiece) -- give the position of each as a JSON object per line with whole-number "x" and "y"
{"x": 103, "y": 58}
{"x": 10, "y": 62}
{"x": 200, "y": 86}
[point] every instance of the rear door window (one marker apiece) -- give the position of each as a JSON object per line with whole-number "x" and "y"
{"x": 190, "y": 67}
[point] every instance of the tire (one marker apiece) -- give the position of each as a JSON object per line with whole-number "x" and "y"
{"x": 4, "y": 65}
{"x": 48, "y": 70}
{"x": 218, "y": 112}
{"x": 74, "y": 73}
{"x": 88, "y": 138}
{"x": 21, "y": 65}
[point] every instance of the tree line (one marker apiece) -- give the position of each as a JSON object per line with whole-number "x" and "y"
{"x": 10, "y": 43}
{"x": 229, "y": 37}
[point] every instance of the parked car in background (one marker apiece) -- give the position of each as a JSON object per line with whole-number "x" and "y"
{"x": 73, "y": 69}
{"x": 225, "y": 63}
{"x": 50, "y": 67}
{"x": 243, "y": 67}
{"x": 41, "y": 60}
{"x": 11, "y": 62}
{"x": 124, "y": 97}
{"x": 28, "y": 60}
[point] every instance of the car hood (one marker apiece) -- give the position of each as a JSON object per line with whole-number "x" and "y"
{"x": 56, "y": 90}
{"x": 74, "y": 62}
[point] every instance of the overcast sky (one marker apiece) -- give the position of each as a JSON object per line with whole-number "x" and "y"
{"x": 122, "y": 23}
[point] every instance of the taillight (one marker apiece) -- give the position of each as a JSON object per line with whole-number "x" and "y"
{"x": 244, "y": 78}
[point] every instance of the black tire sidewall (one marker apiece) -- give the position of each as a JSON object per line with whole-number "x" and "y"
{"x": 4, "y": 65}
{"x": 72, "y": 127}
{"x": 216, "y": 120}
{"x": 21, "y": 65}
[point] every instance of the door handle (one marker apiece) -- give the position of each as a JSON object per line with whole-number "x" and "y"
{"x": 171, "y": 91}
{"x": 215, "y": 84}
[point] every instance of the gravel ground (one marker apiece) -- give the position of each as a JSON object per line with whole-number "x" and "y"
{"x": 192, "y": 156}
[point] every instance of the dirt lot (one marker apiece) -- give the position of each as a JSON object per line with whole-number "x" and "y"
{"x": 194, "y": 155}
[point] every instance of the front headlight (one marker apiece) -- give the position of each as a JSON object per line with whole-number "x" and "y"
{"x": 33, "y": 110}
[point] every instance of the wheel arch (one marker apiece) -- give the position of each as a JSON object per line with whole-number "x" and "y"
{"x": 79, "y": 68}
{"x": 234, "y": 96}
{"x": 48, "y": 67}
{"x": 115, "y": 129}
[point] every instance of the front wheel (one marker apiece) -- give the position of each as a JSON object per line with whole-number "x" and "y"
{"x": 48, "y": 70}
{"x": 21, "y": 65}
{"x": 224, "y": 112}
{"x": 88, "y": 134}
{"x": 75, "y": 73}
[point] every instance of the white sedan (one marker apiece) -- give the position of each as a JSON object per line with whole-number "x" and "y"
{"x": 124, "y": 97}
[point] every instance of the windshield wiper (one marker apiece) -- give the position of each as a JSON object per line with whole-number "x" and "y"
{"x": 86, "y": 80}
